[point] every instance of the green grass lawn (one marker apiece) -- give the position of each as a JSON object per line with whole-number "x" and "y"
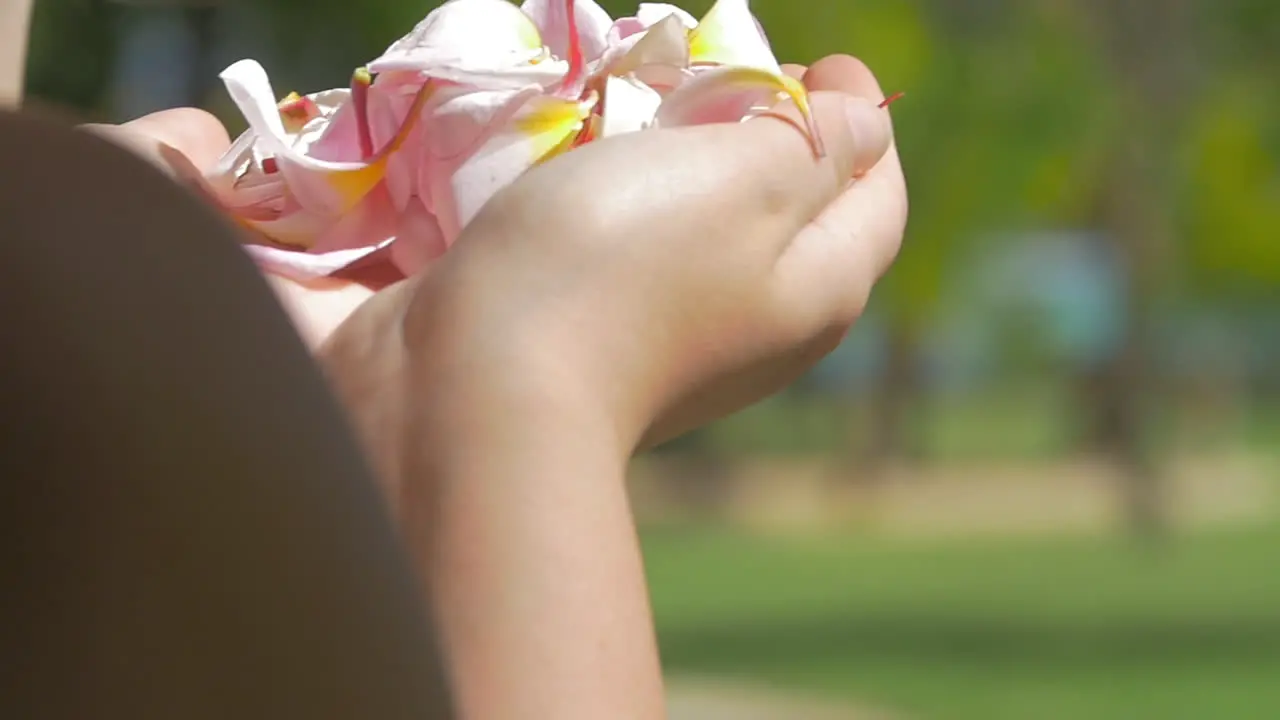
{"x": 1008, "y": 629}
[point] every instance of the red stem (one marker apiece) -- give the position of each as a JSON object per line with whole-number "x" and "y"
{"x": 577, "y": 65}
{"x": 892, "y": 99}
{"x": 360, "y": 82}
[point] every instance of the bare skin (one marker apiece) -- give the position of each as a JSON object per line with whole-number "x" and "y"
{"x": 648, "y": 313}
{"x": 15, "y": 15}
{"x": 608, "y": 299}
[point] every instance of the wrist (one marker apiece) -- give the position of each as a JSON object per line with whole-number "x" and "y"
{"x": 483, "y": 365}
{"x": 493, "y": 398}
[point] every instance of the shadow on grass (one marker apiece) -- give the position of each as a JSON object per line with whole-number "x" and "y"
{"x": 914, "y": 638}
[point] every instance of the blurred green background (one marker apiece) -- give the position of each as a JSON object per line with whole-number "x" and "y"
{"x": 1039, "y": 479}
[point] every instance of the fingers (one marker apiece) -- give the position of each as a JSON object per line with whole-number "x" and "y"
{"x": 183, "y": 142}
{"x": 826, "y": 275}
{"x": 842, "y": 73}
{"x": 794, "y": 70}
{"x": 195, "y": 133}
{"x": 875, "y": 207}
{"x": 779, "y": 171}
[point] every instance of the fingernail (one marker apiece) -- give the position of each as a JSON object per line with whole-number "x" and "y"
{"x": 872, "y": 132}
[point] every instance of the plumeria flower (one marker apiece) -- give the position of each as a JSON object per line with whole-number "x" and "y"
{"x": 395, "y": 165}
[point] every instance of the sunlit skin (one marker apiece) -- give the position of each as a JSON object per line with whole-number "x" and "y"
{"x": 584, "y": 314}
{"x": 15, "y": 15}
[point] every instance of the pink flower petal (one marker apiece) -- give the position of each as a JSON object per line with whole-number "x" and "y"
{"x": 339, "y": 137}
{"x": 368, "y": 228}
{"x": 455, "y": 128}
{"x": 419, "y": 239}
{"x": 371, "y": 223}
{"x": 489, "y": 43}
{"x": 730, "y": 35}
{"x": 629, "y": 106}
{"x": 663, "y": 79}
{"x": 551, "y": 17}
{"x": 624, "y": 28}
{"x": 541, "y": 128}
{"x": 664, "y": 43}
{"x": 306, "y": 266}
{"x": 321, "y": 186}
{"x": 515, "y": 133}
{"x": 650, "y": 14}
{"x": 731, "y": 94}
{"x": 391, "y": 98}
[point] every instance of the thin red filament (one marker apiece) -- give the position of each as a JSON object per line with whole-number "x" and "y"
{"x": 892, "y": 99}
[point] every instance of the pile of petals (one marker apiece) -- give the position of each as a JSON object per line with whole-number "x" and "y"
{"x": 395, "y": 165}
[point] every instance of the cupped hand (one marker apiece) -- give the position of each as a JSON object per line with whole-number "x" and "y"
{"x": 611, "y": 297}
{"x": 665, "y": 278}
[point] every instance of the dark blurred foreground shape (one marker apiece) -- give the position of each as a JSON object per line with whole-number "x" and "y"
{"x": 190, "y": 529}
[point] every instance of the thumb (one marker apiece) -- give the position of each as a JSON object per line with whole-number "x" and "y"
{"x": 182, "y": 142}
{"x": 806, "y": 176}
{"x": 195, "y": 133}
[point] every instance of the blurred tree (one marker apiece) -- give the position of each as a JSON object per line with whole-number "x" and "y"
{"x": 69, "y": 54}
{"x": 1231, "y": 156}
{"x": 1152, "y": 60}
{"x": 163, "y": 52}
{"x": 911, "y": 53}
{"x": 360, "y": 29}
{"x": 990, "y": 137}
{"x": 1234, "y": 195}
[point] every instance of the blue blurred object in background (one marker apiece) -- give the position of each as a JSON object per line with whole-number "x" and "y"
{"x": 163, "y": 55}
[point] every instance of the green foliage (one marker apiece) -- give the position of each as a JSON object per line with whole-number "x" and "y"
{"x": 1234, "y": 209}
{"x": 367, "y": 27}
{"x": 68, "y": 52}
{"x": 989, "y": 630}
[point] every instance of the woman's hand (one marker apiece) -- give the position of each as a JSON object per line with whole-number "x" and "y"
{"x": 670, "y": 277}
{"x": 735, "y": 219}
{"x": 616, "y": 295}
{"x": 613, "y": 297}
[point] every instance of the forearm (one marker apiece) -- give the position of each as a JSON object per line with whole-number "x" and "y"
{"x": 506, "y": 475}
{"x": 518, "y": 517}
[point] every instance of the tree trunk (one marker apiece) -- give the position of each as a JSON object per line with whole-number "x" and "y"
{"x": 889, "y": 435}
{"x": 1147, "y": 51}
{"x": 704, "y": 486}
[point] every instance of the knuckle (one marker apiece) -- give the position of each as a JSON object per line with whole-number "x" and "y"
{"x": 828, "y": 341}
{"x": 818, "y": 319}
{"x": 775, "y": 197}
